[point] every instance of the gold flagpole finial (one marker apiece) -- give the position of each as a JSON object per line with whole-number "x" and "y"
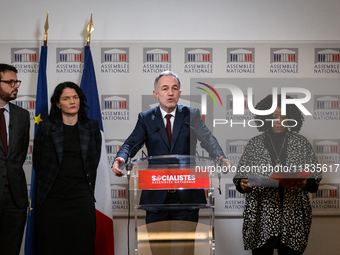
{"x": 89, "y": 29}
{"x": 46, "y": 28}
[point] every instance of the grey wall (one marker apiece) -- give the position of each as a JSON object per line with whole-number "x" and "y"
{"x": 172, "y": 20}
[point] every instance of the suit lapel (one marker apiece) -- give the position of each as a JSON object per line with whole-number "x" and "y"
{"x": 13, "y": 119}
{"x": 177, "y": 126}
{"x": 2, "y": 148}
{"x": 160, "y": 123}
{"x": 58, "y": 138}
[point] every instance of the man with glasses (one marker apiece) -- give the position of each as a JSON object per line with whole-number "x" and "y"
{"x": 14, "y": 132}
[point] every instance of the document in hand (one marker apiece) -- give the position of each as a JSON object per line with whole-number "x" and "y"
{"x": 256, "y": 180}
{"x": 287, "y": 179}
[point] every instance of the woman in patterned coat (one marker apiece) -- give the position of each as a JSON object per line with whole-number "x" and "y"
{"x": 277, "y": 218}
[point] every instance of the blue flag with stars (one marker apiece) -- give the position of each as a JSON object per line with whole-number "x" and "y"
{"x": 41, "y": 112}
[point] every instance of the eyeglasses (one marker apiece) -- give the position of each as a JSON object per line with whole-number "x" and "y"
{"x": 12, "y": 82}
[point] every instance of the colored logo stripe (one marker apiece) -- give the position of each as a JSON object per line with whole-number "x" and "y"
{"x": 218, "y": 96}
{"x": 208, "y": 92}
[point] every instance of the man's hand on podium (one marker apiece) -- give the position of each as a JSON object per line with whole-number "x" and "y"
{"x": 227, "y": 162}
{"x": 117, "y": 167}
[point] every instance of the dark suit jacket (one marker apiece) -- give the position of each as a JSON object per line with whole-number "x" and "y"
{"x": 48, "y": 153}
{"x": 183, "y": 142}
{"x": 11, "y": 164}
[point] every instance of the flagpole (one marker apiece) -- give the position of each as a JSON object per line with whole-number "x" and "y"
{"x": 46, "y": 28}
{"x": 104, "y": 228}
{"x": 89, "y": 29}
{"x": 41, "y": 112}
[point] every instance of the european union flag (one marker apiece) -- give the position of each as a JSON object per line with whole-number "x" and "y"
{"x": 41, "y": 112}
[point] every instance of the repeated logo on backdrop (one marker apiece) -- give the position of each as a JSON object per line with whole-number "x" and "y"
{"x": 69, "y": 60}
{"x": 112, "y": 147}
{"x": 118, "y": 190}
{"x": 327, "y": 151}
{"x": 234, "y": 200}
{"x": 156, "y": 60}
{"x": 326, "y": 107}
{"x": 326, "y": 199}
{"x": 327, "y": 60}
{"x": 240, "y": 60}
{"x": 235, "y": 149}
{"x": 115, "y": 107}
{"x": 27, "y": 102}
{"x": 25, "y": 59}
{"x": 119, "y": 197}
{"x": 115, "y": 60}
{"x": 284, "y": 60}
{"x": 198, "y": 60}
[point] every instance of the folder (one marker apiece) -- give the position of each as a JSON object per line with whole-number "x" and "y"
{"x": 287, "y": 179}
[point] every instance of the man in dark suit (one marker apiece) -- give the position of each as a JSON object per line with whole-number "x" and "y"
{"x": 181, "y": 141}
{"x": 13, "y": 151}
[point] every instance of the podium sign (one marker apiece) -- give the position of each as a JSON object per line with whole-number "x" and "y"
{"x": 172, "y": 179}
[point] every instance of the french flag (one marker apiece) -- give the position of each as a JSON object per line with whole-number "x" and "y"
{"x": 104, "y": 231}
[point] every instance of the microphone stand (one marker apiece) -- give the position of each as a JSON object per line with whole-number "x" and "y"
{"x": 219, "y": 176}
{"x": 218, "y": 161}
{"x": 128, "y": 168}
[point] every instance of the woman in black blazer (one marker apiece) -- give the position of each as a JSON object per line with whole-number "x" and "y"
{"x": 66, "y": 154}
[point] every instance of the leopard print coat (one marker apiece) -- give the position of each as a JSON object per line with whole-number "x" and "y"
{"x": 263, "y": 215}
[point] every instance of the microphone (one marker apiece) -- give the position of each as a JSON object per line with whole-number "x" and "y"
{"x": 129, "y": 164}
{"x": 189, "y": 126}
{"x": 143, "y": 140}
{"x": 217, "y": 160}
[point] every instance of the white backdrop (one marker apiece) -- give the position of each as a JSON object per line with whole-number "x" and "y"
{"x": 125, "y": 74}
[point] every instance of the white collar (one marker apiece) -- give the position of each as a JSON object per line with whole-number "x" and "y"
{"x": 6, "y": 107}
{"x": 173, "y": 113}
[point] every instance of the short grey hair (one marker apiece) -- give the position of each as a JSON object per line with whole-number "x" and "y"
{"x": 166, "y": 73}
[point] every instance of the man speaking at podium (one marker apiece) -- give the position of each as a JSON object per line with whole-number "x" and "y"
{"x": 167, "y": 129}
